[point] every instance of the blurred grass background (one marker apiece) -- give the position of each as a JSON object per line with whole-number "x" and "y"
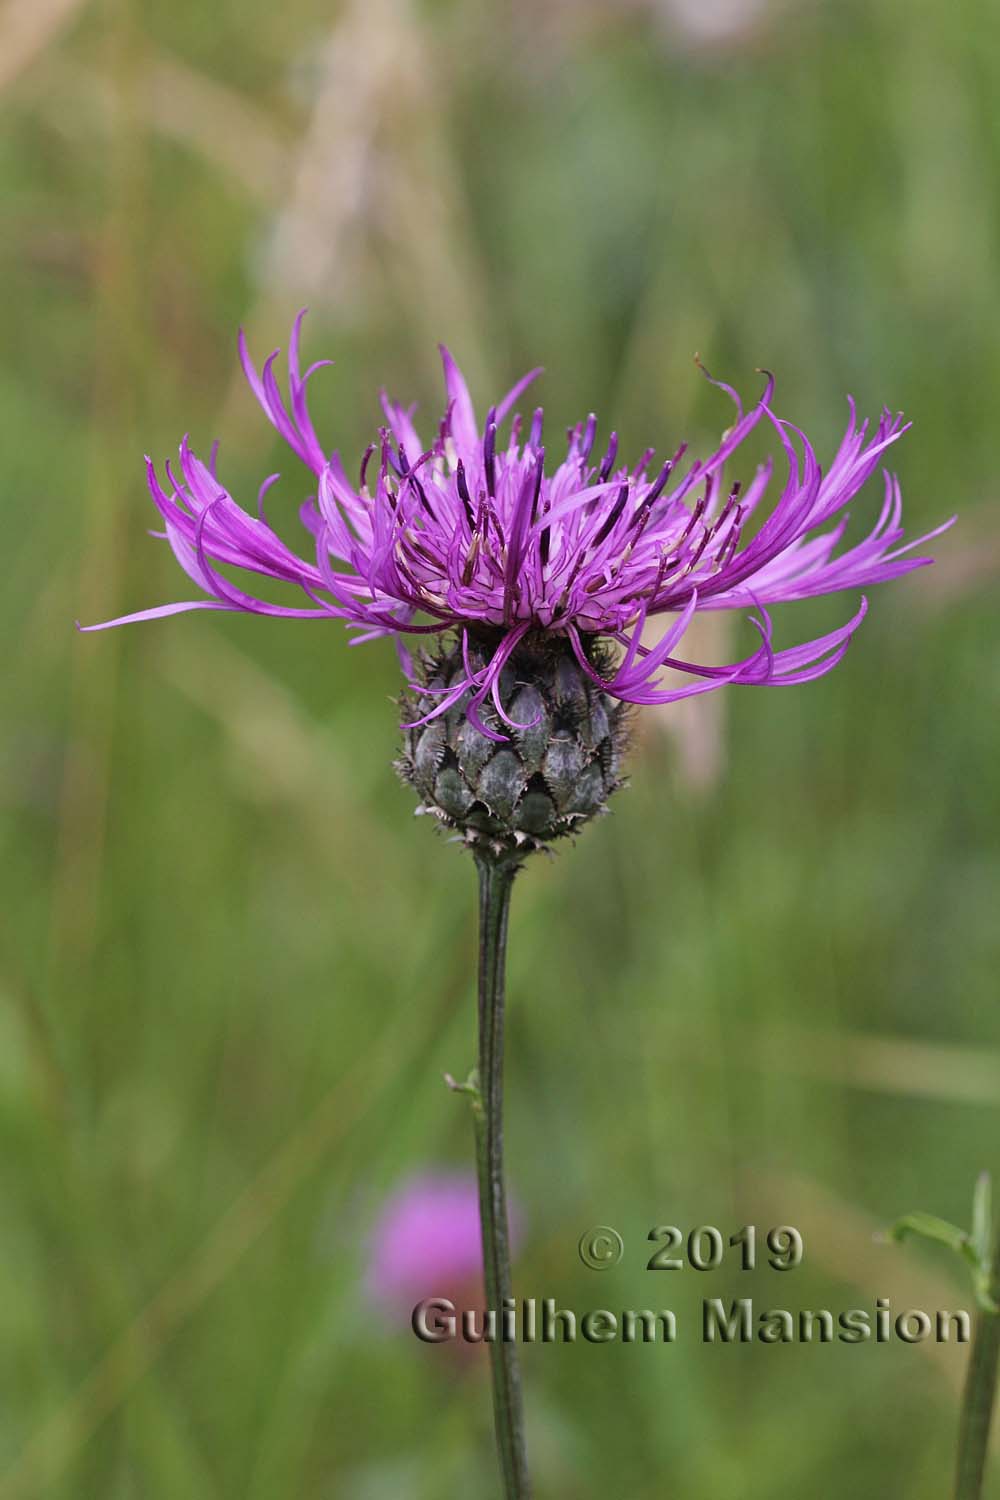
{"x": 234, "y": 966}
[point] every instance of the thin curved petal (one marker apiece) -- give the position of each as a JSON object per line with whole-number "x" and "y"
{"x": 475, "y": 534}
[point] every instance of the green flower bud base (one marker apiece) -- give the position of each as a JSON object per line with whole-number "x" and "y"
{"x": 549, "y": 777}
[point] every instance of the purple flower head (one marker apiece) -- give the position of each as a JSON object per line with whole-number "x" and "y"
{"x": 476, "y": 532}
{"x": 427, "y": 1240}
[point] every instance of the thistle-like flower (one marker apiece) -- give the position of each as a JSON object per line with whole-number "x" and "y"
{"x": 539, "y": 586}
{"x": 542, "y": 581}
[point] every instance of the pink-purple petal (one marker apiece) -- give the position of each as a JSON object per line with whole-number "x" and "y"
{"x": 474, "y": 535}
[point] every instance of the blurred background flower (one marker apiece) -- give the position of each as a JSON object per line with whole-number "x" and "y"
{"x": 234, "y": 968}
{"x": 714, "y": 23}
{"x": 426, "y": 1243}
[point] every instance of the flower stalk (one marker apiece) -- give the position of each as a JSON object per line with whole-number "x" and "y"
{"x": 979, "y": 1248}
{"x": 496, "y": 878}
{"x": 979, "y": 1396}
{"x": 977, "y": 1405}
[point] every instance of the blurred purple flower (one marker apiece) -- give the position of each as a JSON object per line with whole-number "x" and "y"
{"x": 427, "y": 1240}
{"x": 472, "y": 534}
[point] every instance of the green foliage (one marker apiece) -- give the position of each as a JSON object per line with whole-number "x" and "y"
{"x": 976, "y": 1248}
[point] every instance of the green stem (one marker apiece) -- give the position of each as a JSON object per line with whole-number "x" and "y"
{"x": 496, "y": 877}
{"x": 979, "y": 1394}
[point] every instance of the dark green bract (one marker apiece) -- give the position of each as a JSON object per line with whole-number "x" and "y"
{"x": 548, "y": 778}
